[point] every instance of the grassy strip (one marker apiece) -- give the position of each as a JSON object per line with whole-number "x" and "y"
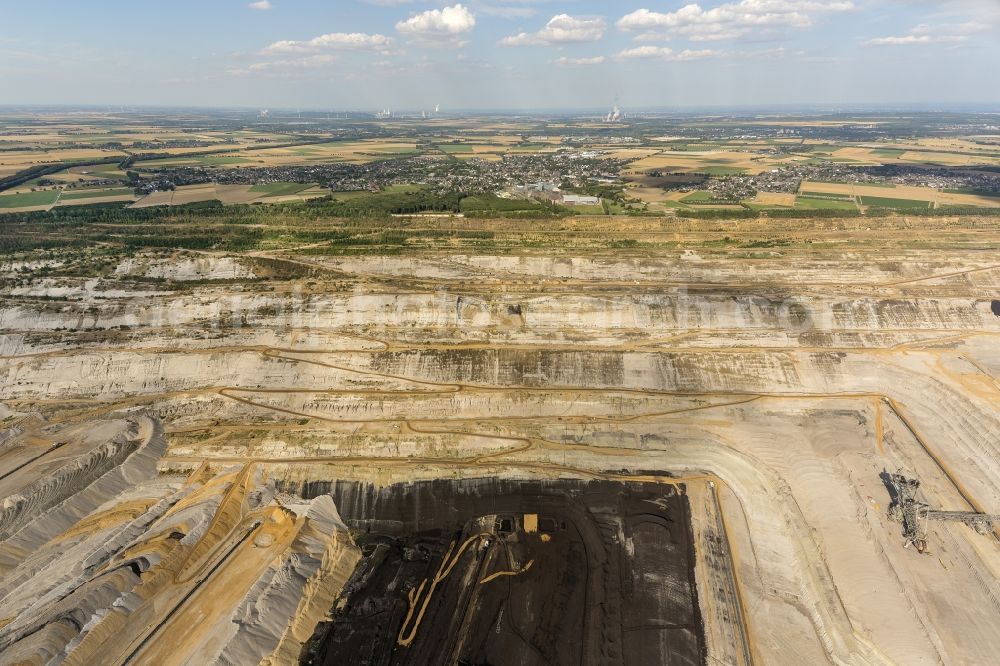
{"x": 827, "y": 195}
{"x": 93, "y": 194}
{"x": 886, "y": 202}
{"x": 815, "y": 203}
{"x": 24, "y": 199}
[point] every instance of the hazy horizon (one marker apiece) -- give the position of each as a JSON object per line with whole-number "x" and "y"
{"x": 790, "y": 109}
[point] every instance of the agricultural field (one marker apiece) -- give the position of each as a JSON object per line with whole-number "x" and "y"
{"x": 233, "y": 194}
{"x": 774, "y": 199}
{"x": 719, "y": 163}
{"x": 824, "y": 203}
{"x": 29, "y": 199}
{"x": 337, "y": 151}
{"x": 279, "y": 189}
{"x": 14, "y": 161}
{"x": 95, "y": 193}
{"x": 194, "y": 160}
{"x": 898, "y": 195}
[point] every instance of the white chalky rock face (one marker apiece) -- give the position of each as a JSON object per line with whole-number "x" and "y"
{"x": 200, "y": 268}
{"x": 153, "y": 428}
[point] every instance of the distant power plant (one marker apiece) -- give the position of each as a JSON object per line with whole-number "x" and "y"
{"x": 616, "y": 115}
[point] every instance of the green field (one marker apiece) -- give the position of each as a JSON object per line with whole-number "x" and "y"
{"x": 584, "y": 209}
{"x": 820, "y": 148}
{"x": 92, "y": 194}
{"x": 401, "y": 188}
{"x": 455, "y": 147}
{"x": 699, "y": 197}
{"x": 491, "y": 203}
{"x": 42, "y": 198}
{"x": 280, "y": 189}
{"x": 827, "y": 195}
{"x": 404, "y": 188}
{"x": 530, "y": 147}
{"x": 814, "y": 203}
{"x": 702, "y": 197}
{"x": 886, "y": 202}
{"x": 105, "y": 171}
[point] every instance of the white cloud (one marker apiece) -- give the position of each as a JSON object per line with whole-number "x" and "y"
{"x": 332, "y": 42}
{"x": 263, "y": 5}
{"x": 579, "y": 62}
{"x": 665, "y": 53}
{"x": 900, "y": 41}
{"x": 561, "y": 29}
{"x": 733, "y": 19}
{"x": 438, "y": 26}
{"x": 907, "y": 40}
{"x": 945, "y": 33}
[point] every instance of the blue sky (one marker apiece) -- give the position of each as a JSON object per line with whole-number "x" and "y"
{"x": 500, "y": 54}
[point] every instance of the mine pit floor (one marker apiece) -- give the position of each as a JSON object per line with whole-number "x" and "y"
{"x": 552, "y": 572}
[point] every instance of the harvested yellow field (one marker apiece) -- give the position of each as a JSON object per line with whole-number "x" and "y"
{"x": 184, "y": 195}
{"x": 774, "y": 199}
{"x": 183, "y": 150}
{"x": 23, "y": 159}
{"x": 227, "y": 194}
{"x": 504, "y": 139}
{"x": 660, "y": 161}
{"x": 154, "y": 199}
{"x": 489, "y": 157}
{"x": 531, "y": 150}
{"x": 630, "y": 153}
{"x": 707, "y": 160}
{"x": 353, "y": 151}
{"x": 861, "y": 155}
{"x": 27, "y": 209}
{"x": 900, "y": 192}
{"x": 951, "y": 159}
{"x": 948, "y": 198}
{"x": 942, "y": 144}
{"x": 654, "y": 194}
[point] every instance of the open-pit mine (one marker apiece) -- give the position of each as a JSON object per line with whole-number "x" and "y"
{"x": 690, "y": 446}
